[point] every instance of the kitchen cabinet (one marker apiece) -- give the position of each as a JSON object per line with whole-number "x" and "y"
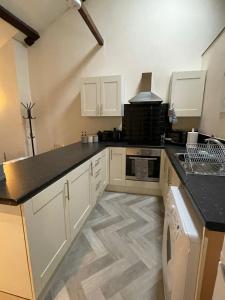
{"x": 168, "y": 176}
{"x": 187, "y": 92}
{"x": 90, "y": 96}
{"x": 53, "y": 218}
{"x": 47, "y": 230}
{"x": 117, "y": 166}
{"x": 105, "y": 168}
{"x": 96, "y": 178}
{"x": 78, "y": 195}
{"x": 101, "y": 96}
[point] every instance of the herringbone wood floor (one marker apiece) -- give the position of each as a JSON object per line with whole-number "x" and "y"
{"x": 117, "y": 255}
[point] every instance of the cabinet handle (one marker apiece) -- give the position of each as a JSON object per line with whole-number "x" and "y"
{"x": 91, "y": 169}
{"x": 68, "y": 190}
{"x": 110, "y": 154}
{"x": 169, "y": 176}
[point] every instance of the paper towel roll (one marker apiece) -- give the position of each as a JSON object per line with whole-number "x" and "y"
{"x": 192, "y": 137}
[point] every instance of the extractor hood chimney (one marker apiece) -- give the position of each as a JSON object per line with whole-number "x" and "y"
{"x": 145, "y": 95}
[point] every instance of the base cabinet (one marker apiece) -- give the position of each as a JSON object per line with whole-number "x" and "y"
{"x": 47, "y": 232}
{"x": 105, "y": 168}
{"x": 117, "y": 166}
{"x": 53, "y": 218}
{"x": 168, "y": 176}
{"x": 78, "y": 195}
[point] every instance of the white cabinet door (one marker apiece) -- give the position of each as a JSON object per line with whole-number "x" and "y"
{"x": 90, "y": 96}
{"x": 187, "y": 93}
{"x": 79, "y": 197}
{"x": 111, "y": 96}
{"x": 47, "y": 232}
{"x": 105, "y": 168}
{"x": 117, "y": 166}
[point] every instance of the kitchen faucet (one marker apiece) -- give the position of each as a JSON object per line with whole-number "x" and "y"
{"x": 215, "y": 141}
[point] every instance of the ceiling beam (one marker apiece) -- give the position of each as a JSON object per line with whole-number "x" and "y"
{"x": 91, "y": 25}
{"x": 32, "y": 35}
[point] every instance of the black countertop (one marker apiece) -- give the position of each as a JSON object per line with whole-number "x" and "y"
{"x": 28, "y": 177}
{"x": 207, "y": 193}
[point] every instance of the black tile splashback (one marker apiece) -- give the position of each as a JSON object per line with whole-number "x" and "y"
{"x": 145, "y": 123}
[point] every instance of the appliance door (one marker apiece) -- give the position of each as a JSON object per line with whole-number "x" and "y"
{"x": 175, "y": 253}
{"x": 142, "y": 168}
{"x": 167, "y": 255}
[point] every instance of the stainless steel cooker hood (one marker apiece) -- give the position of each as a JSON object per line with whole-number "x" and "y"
{"x": 145, "y": 95}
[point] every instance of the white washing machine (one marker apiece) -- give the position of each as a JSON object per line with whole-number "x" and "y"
{"x": 219, "y": 290}
{"x": 181, "y": 249}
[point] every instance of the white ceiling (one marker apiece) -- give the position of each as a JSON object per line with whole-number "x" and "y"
{"x": 39, "y": 14}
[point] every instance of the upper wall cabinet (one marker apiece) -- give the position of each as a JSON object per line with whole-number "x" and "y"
{"x": 187, "y": 92}
{"x": 101, "y": 96}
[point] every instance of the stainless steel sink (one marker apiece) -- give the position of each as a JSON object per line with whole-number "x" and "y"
{"x": 181, "y": 159}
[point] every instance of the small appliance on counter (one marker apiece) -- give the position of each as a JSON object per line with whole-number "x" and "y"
{"x": 192, "y": 137}
{"x": 114, "y": 135}
{"x": 176, "y": 136}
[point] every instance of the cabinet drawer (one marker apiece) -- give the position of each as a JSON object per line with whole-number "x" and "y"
{"x": 97, "y": 162}
{"x": 98, "y": 186}
{"x": 98, "y": 173}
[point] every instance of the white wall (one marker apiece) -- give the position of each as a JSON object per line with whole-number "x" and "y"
{"x": 23, "y": 85}
{"x": 213, "y": 119}
{"x": 12, "y": 137}
{"x": 6, "y": 32}
{"x": 140, "y": 36}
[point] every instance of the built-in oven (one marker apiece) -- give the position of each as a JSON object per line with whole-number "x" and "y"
{"x": 143, "y": 164}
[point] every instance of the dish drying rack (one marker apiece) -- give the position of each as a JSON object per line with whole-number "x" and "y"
{"x": 205, "y": 159}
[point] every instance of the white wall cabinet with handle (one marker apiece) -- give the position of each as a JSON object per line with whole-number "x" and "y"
{"x": 102, "y": 96}
{"x": 117, "y": 166}
{"x": 187, "y": 92}
{"x": 90, "y": 96}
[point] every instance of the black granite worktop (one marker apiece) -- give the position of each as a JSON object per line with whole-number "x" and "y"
{"x": 28, "y": 177}
{"x": 207, "y": 193}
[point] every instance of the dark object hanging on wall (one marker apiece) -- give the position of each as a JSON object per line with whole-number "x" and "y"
{"x": 29, "y": 117}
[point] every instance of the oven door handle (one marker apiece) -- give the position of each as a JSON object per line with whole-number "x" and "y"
{"x": 144, "y": 158}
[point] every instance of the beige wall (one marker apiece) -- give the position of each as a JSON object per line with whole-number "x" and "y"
{"x": 11, "y": 125}
{"x": 140, "y": 36}
{"x": 6, "y": 32}
{"x": 213, "y": 119}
